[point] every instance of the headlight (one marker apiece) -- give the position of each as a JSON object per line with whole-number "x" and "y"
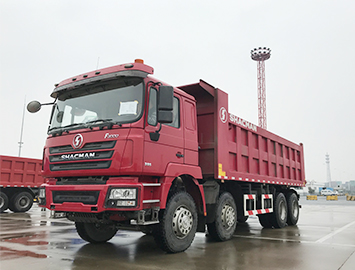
{"x": 122, "y": 197}
{"x": 42, "y": 193}
{"x": 123, "y": 194}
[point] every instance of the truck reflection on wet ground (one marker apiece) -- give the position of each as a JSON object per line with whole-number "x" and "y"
{"x": 324, "y": 238}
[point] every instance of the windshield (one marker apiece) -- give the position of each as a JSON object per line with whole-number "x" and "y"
{"x": 117, "y": 101}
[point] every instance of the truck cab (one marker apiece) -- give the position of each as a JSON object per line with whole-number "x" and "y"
{"x": 120, "y": 143}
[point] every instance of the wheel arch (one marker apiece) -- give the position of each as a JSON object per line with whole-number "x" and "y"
{"x": 189, "y": 184}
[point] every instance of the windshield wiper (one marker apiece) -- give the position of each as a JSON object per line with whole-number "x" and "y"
{"x": 60, "y": 130}
{"x": 99, "y": 120}
{"x": 53, "y": 128}
{"x": 102, "y": 123}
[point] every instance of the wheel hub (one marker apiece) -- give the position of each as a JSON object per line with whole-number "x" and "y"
{"x": 182, "y": 222}
{"x": 283, "y": 211}
{"x": 24, "y": 202}
{"x": 228, "y": 216}
{"x": 295, "y": 209}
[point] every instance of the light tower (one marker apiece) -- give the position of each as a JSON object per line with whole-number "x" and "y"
{"x": 261, "y": 54}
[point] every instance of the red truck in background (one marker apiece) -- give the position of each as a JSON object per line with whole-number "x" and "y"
{"x": 20, "y": 179}
{"x": 126, "y": 150}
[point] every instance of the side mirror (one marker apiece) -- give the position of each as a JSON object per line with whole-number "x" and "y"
{"x": 34, "y": 106}
{"x": 165, "y": 104}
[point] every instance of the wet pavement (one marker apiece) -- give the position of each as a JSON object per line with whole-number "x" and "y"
{"x": 324, "y": 238}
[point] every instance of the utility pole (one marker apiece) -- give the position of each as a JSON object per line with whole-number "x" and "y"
{"x": 20, "y": 143}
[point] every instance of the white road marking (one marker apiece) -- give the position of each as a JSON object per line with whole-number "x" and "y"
{"x": 335, "y": 232}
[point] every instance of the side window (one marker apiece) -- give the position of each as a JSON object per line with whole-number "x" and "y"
{"x": 190, "y": 116}
{"x": 152, "y": 110}
{"x": 176, "y": 114}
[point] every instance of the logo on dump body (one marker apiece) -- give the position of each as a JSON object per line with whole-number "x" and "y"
{"x": 78, "y": 141}
{"x": 223, "y": 115}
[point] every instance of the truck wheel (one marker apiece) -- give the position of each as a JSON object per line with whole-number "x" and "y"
{"x": 293, "y": 208}
{"x": 95, "y": 233}
{"x": 279, "y": 216}
{"x": 265, "y": 220}
{"x": 177, "y": 224}
{"x": 4, "y": 202}
{"x": 21, "y": 202}
{"x": 223, "y": 227}
{"x": 242, "y": 219}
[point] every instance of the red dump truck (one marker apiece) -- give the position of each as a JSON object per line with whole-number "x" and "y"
{"x": 20, "y": 179}
{"x": 126, "y": 150}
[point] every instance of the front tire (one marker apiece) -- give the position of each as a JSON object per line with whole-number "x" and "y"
{"x": 178, "y": 224}
{"x": 95, "y": 233}
{"x": 225, "y": 222}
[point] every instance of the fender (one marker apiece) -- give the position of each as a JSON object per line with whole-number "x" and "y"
{"x": 176, "y": 169}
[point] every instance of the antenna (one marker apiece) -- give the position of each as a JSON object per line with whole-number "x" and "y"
{"x": 97, "y": 64}
{"x": 260, "y": 55}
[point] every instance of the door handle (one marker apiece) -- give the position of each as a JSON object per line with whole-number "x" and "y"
{"x": 179, "y": 155}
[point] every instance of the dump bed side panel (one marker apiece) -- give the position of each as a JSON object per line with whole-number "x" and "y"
{"x": 20, "y": 172}
{"x": 234, "y": 149}
{"x": 249, "y": 153}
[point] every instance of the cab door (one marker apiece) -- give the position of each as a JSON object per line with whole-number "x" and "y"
{"x": 169, "y": 146}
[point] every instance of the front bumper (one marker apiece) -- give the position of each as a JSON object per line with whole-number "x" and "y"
{"x": 112, "y": 196}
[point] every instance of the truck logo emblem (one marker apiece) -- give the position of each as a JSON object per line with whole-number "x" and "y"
{"x": 78, "y": 141}
{"x": 223, "y": 114}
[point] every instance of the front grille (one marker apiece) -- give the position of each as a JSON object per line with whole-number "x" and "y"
{"x": 86, "y": 147}
{"x": 85, "y": 197}
{"x": 81, "y": 156}
{"x": 82, "y": 181}
{"x": 80, "y": 166}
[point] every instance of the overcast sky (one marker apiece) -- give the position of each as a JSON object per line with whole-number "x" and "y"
{"x": 310, "y": 83}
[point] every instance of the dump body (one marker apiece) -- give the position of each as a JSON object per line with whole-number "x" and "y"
{"x": 20, "y": 172}
{"x": 234, "y": 149}
{"x": 20, "y": 179}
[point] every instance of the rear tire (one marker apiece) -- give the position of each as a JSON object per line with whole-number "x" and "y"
{"x": 242, "y": 219}
{"x": 95, "y": 233}
{"x": 265, "y": 220}
{"x": 177, "y": 224}
{"x": 279, "y": 216}
{"x": 21, "y": 202}
{"x": 4, "y": 202}
{"x": 293, "y": 208}
{"x": 225, "y": 222}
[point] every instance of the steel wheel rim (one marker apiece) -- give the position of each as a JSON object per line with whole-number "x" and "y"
{"x": 24, "y": 202}
{"x": 228, "y": 216}
{"x": 294, "y": 209}
{"x": 2, "y": 202}
{"x": 283, "y": 212}
{"x": 182, "y": 222}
